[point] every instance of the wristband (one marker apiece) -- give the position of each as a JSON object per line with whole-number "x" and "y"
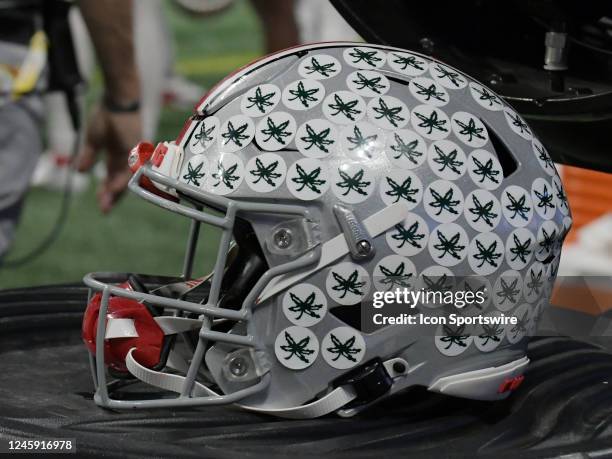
{"x": 114, "y": 107}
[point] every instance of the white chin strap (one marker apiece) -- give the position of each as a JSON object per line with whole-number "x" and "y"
{"x": 329, "y": 403}
{"x": 124, "y": 328}
{"x": 166, "y": 381}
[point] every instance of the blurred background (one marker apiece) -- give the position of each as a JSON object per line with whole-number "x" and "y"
{"x": 182, "y": 53}
{"x": 200, "y": 49}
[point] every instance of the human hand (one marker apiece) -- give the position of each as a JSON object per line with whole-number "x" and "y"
{"x": 114, "y": 133}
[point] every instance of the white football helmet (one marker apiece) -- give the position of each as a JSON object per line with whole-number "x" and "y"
{"x": 336, "y": 171}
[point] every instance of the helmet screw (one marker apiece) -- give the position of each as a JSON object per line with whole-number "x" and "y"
{"x": 427, "y": 44}
{"x": 238, "y": 366}
{"x": 364, "y": 247}
{"x": 283, "y": 238}
{"x": 399, "y": 367}
{"x": 495, "y": 79}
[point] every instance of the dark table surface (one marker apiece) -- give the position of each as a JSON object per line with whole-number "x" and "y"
{"x": 564, "y": 406}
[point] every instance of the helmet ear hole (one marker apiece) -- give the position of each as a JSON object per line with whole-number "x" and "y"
{"x": 245, "y": 269}
{"x": 137, "y": 284}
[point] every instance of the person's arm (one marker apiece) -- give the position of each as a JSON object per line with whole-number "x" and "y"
{"x": 278, "y": 21}
{"x": 115, "y": 126}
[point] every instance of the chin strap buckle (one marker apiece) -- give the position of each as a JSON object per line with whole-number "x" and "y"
{"x": 370, "y": 381}
{"x": 351, "y": 392}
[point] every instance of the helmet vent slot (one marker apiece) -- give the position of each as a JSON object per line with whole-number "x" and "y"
{"x": 506, "y": 159}
{"x": 396, "y": 80}
{"x": 263, "y": 150}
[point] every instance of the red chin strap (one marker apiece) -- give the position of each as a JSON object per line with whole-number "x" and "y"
{"x": 148, "y": 344}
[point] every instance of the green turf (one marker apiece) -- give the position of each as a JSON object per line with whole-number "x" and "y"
{"x": 136, "y": 236}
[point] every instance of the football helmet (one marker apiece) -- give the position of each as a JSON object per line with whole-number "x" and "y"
{"x": 335, "y": 171}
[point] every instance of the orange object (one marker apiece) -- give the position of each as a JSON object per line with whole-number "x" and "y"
{"x": 586, "y": 296}
{"x": 589, "y": 194}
